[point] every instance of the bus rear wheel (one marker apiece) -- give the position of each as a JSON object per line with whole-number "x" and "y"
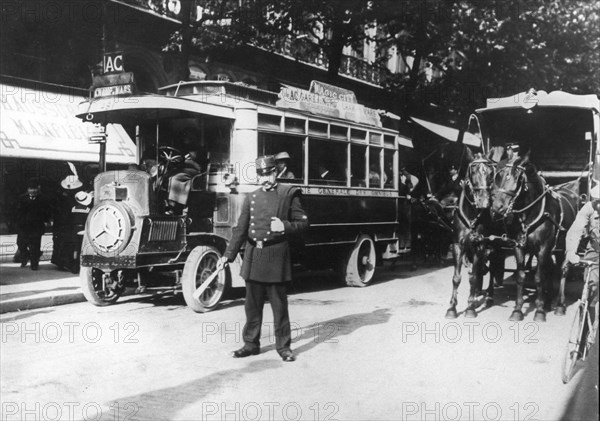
{"x": 200, "y": 264}
{"x": 359, "y": 266}
{"x": 100, "y": 288}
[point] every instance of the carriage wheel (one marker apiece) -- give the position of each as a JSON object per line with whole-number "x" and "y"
{"x": 100, "y": 288}
{"x": 200, "y": 264}
{"x": 359, "y": 267}
{"x": 576, "y": 346}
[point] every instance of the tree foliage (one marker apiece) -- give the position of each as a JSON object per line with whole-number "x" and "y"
{"x": 476, "y": 48}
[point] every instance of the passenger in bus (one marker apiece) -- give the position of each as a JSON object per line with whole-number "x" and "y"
{"x": 374, "y": 177}
{"x": 282, "y": 160}
{"x": 329, "y": 175}
{"x": 270, "y": 216}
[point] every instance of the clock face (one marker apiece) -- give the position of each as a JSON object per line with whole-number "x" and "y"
{"x": 108, "y": 228}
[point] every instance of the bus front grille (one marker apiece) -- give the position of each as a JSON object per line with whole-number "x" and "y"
{"x": 162, "y": 231}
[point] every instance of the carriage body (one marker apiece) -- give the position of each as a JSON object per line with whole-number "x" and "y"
{"x": 560, "y": 131}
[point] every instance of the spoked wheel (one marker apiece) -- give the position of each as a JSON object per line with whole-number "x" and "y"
{"x": 577, "y": 345}
{"x": 100, "y": 288}
{"x": 200, "y": 264}
{"x": 359, "y": 267}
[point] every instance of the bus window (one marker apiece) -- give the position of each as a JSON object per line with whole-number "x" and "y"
{"x": 388, "y": 168}
{"x": 272, "y": 144}
{"x": 375, "y": 173}
{"x": 208, "y": 137}
{"x": 327, "y": 162}
{"x": 358, "y": 163}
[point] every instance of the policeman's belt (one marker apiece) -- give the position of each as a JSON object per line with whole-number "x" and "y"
{"x": 261, "y": 244}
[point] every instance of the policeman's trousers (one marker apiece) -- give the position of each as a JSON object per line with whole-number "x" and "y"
{"x": 256, "y": 294}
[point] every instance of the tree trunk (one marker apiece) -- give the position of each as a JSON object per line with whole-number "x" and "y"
{"x": 334, "y": 52}
{"x": 186, "y": 39}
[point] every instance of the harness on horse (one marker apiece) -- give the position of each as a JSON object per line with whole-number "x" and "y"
{"x": 468, "y": 183}
{"x": 542, "y": 214}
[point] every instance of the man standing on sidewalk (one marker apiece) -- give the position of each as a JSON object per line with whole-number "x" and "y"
{"x": 33, "y": 211}
{"x": 270, "y": 215}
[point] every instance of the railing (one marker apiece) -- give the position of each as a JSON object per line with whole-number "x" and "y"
{"x": 301, "y": 49}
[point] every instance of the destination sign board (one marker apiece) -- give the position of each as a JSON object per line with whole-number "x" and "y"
{"x": 113, "y": 90}
{"x": 328, "y": 100}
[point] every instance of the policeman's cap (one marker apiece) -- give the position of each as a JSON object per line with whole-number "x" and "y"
{"x": 513, "y": 146}
{"x": 282, "y": 155}
{"x": 265, "y": 164}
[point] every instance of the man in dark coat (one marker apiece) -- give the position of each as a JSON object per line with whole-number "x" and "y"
{"x": 270, "y": 215}
{"x": 32, "y": 214}
{"x": 449, "y": 194}
{"x": 512, "y": 154}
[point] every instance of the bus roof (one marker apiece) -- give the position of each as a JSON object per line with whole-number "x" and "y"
{"x": 534, "y": 98}
{"x": 119, "y": 109}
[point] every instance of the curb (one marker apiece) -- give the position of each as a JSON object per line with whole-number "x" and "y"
{"x": 40, "y": 302}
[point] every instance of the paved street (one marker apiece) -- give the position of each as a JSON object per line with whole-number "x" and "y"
{"x": 379, "y": 353}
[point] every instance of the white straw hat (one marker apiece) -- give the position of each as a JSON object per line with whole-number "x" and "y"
{"x": 84, "y": 198}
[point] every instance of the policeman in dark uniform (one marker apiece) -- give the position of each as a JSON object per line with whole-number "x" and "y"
{"x": 270, "y": 215}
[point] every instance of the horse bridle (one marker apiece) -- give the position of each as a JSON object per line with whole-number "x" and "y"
{"x": 521, "y": 186}
{"x": 477, "y": 163}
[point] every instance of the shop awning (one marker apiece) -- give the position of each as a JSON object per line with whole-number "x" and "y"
{"x": 42, "y": 125}
{"x": 448, "y": 133}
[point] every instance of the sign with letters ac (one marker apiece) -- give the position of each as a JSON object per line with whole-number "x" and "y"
{"x": 112, "y": 63}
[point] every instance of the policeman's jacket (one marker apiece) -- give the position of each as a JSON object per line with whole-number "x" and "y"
{"x": 266, "y": 253}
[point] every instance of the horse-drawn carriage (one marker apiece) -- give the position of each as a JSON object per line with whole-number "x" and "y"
{"x": 521, "y": 207}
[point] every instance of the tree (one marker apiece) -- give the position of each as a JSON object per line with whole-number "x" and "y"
{"x": 513, "y": 45}
{"x": 477, "y": 48}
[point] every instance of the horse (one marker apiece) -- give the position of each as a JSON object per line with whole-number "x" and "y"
{"x": 534, "y": 217}
{"x": 470, "y": 224}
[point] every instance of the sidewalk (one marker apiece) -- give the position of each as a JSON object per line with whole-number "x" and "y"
{"x": 25, "y": 289}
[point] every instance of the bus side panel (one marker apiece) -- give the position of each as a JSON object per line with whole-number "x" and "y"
{"x": 337, "y": 219}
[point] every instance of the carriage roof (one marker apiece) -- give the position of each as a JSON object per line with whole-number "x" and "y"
{"x": 534, "y": 98}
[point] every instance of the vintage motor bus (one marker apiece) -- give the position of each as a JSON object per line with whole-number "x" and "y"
{"x": 343, "y": 156}
{"x": 558, "y": 129}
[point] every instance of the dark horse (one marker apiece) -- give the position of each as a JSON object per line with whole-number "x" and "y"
{"x": 471, "y": 223}
{"x": 534, "y": 216}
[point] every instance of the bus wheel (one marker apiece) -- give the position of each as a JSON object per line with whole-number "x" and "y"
{"x": 100, "y": 288}
{"x": 200, "y": 264}
{"x": 359, "y": 267}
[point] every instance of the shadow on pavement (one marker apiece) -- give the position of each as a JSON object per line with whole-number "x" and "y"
{"x": 165, "y": 403}
{"x": 13, "y": 273}
{"x": 24, "y": 315}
